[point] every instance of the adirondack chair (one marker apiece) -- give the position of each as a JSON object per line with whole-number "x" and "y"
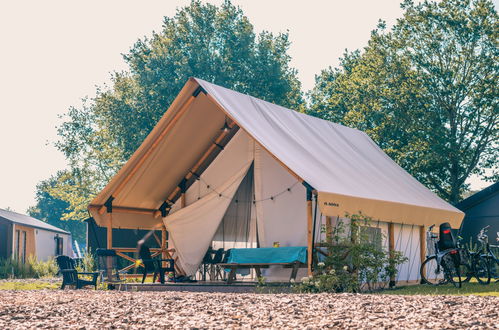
{"x": 154, "y": 266}
{"x": 107, "y": 261}
{"x": 70, "y": 276}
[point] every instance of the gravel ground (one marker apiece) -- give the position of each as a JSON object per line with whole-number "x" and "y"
{"x": 88, "y": 309}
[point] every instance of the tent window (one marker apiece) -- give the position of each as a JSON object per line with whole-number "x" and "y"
{"x": 373, "y": 235}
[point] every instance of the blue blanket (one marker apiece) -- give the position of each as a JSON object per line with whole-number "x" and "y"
{"x": 286, "y": 254}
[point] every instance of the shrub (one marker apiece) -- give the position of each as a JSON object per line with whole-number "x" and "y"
{"x": 43, "y": 268}
{"x": 354, "y": 261}
{"x": 32, "y": 268}
{"x": 87, "y": 263}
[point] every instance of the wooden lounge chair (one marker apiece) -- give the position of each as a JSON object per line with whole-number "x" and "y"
{"x": 70, "y": 276}
{"x": 152, "y": 265}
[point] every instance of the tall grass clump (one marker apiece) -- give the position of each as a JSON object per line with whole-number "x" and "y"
{"x": 87, "y": 263}
{"x": 32, "y": 268}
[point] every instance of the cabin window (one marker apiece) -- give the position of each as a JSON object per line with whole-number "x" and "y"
{"x": 59, "y": 245}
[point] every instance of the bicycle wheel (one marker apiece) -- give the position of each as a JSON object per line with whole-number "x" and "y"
{"x": 431, "y": 272}
{"x": 466, "y": 273}
{"x": 465, "y": 266}
{"x": 481, "y": 269}
{"x": 450, "y": 263}
{"x": 493, "y": 268}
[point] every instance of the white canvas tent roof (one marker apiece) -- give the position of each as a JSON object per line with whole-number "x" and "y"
{"x": 347, "y": 170}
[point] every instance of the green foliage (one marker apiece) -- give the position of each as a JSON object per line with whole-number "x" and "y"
{"x": 33, "y": 268}
{"x": 217, "y": 44}
{"x": 42, "y": 269}
{"x": 355, "y": 261}
{"x": 52, "y": 210}
{"x": 88, "y": 263}
{"x": 426, "y": 92}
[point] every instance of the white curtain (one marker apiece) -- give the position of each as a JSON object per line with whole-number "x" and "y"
{"x": 192, "y": 228}
{"x": 237, "y": 228}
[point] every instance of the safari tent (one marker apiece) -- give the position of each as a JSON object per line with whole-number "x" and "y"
{"x": 223, "y": 168}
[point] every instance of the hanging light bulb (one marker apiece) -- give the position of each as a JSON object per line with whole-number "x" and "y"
{"x": 226, "y": 126}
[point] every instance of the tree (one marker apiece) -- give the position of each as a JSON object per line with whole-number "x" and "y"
{"x": 426, "y": 92}
{"x": 52, "y": 210}
{"x": 217, "y": 44}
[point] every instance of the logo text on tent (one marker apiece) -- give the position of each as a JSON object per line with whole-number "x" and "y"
{"x": 332, "y": 204}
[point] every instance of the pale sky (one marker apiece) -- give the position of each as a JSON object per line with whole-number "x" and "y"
{"x": 54, "y": 53}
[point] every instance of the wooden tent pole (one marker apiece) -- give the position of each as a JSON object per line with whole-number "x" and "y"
{"x": 164, "y": 254}
{"x": 200, "y": 162}
{"x": 391, "y": 247}
{"x": 309, "y": 232}
{"x": 121, "y": 209}
{"x": 422, "y": 245}
{"x": 110, "y": 231}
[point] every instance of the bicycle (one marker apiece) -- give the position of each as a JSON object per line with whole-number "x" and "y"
{"x": 441, "y": 267}
{"x": 492, "y": 260}
{"x": 473, "y": 264}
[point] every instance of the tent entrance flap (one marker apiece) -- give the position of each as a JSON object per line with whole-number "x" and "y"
{"x": 192, "y": 228}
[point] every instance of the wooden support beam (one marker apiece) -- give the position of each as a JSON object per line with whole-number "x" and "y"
{"x": 133, "y": 249}
{"x": 156, "y": 238}
{"x": 422, "y": 245}
{"x": 124, "y": 256}
{"x": 123, "y": 209}
{"x": 110, "y": 231}
{"x": 391, "y": 247}
{"x": 154, "y": 145}
{"x": 163, "y": 243}
{"x": 195, "y": 169}
{"x": 310, "y": 224}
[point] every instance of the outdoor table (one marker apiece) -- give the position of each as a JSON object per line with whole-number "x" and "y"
{"x": 257, "y": 258}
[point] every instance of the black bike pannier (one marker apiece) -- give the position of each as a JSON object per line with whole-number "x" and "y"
{"x": 446, "y": 239}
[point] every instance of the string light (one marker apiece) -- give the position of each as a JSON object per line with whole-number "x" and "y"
{"x": 254, "y": 201}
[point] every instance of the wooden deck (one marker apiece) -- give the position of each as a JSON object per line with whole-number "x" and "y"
{"x": 218, "y": 286}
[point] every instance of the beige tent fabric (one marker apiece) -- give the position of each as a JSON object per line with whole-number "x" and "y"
{"x": 336, "y": 161}
{"x": 348, "y": 170}
{"x": 193, "y": 227}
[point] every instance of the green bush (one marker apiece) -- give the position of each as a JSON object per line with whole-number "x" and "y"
{"x": 41, "y": 269}
{"x": 87, "y": 263}
{"x": 354, "y": 262}
{"x": 32, "y": 268}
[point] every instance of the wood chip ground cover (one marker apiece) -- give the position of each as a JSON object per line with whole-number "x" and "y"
{"x": 89, "y": 309}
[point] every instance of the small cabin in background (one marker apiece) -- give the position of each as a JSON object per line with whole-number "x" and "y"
{"x": 22, "y": 236}
{"x": 482, "y": 209}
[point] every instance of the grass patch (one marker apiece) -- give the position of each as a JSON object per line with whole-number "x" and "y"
{"x": 467, "y": 289}
{"x": 19, "y": 285}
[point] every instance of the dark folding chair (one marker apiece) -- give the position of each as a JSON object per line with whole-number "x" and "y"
{"x": 155, "y": 266}
{"x": 206, "y": 263}
{"x": 70, "y": 276}
{"x": 107, "y": 261}
{"x": 216, "y": 271}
